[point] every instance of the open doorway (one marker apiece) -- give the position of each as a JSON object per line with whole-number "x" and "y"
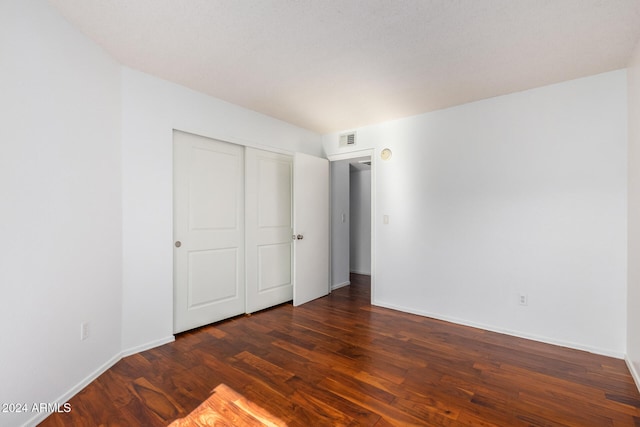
{"x": 360, "y": 216}
{"x": 351, "y": 204}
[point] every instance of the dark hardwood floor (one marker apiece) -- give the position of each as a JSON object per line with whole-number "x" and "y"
{"x": 340, "y": 361}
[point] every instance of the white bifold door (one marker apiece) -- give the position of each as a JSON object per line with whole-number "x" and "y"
{"x": 235, "y": 247}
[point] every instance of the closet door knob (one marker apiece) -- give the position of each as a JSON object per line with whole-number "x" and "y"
{"x": 178, "y": 243}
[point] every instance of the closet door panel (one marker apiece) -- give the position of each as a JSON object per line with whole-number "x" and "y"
{"x": 209, "y": 258}
{"x": 269, "y": 179}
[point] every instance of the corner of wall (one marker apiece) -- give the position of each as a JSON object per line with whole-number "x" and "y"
{"x": 64, "y": 398}
{"x": 634, "y": 372}
{"x": 633, "y": 216}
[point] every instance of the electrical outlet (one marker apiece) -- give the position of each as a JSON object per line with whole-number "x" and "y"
{"x": 84, "y": 331}
{"x": 523, "y": 299}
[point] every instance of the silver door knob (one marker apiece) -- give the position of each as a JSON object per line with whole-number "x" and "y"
{"x": 178, "y": 244}
{"x": 299, "y": 237}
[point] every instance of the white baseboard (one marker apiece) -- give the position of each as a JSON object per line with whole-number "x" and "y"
{"x": 364, "y": 273}
{"x": 39, "y": 417}
{"x": 546, "y": 340}
{"x": 340, "y": 285}
{"x": 148, "y": 346}
{"x": 633, "y": 371}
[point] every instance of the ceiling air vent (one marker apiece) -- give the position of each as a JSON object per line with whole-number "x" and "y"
{"x": 347, "y": 139}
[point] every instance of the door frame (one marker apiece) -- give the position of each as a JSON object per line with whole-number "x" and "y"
{"x": 370, "y": 152}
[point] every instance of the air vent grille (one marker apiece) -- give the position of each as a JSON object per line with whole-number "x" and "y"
{"x": 347, "y": 139}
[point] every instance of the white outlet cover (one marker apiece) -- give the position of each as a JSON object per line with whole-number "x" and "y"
{"x": 84, "y": 331}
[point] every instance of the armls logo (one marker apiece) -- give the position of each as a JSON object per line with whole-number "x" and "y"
{"x": 14, "y": 408}
{"x": 51, "y": 407}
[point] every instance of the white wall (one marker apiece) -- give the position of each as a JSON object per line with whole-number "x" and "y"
{"x": 60, "y": 258}
{"x": 633, "y": 292}
{"x": 519, "y": 193}
{"x": 339, "y": 228}
{"x": 360, "y": 231}
{"x": 151, "y": 109}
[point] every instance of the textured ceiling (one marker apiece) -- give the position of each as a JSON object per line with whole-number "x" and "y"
{"x": 329, "y": 65}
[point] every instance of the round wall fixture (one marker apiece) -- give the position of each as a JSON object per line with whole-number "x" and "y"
{"x": 385, "y": 154}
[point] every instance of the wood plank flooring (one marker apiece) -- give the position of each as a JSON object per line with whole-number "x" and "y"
{"x": 226, "y": 407}
{"x": 340, "y": 361}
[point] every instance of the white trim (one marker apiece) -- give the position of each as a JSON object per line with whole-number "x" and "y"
{"x": 330, "y": 213}
{"x": 374, "y": 215}
{"x": 148, "y": 346}
{"x": 568, "y": 344}
{"x": 39, "y": 417}
{"x": 351, "y": 155}
{"x": 236, "y": 141}
{"x": 633, "y": 371}
{"x": 340, "y": 285}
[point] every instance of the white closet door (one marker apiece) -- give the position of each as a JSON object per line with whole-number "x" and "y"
{"x": 269, "y": 178}
{"x": 311, "y": 226}
{"x": 209, "y": 236}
